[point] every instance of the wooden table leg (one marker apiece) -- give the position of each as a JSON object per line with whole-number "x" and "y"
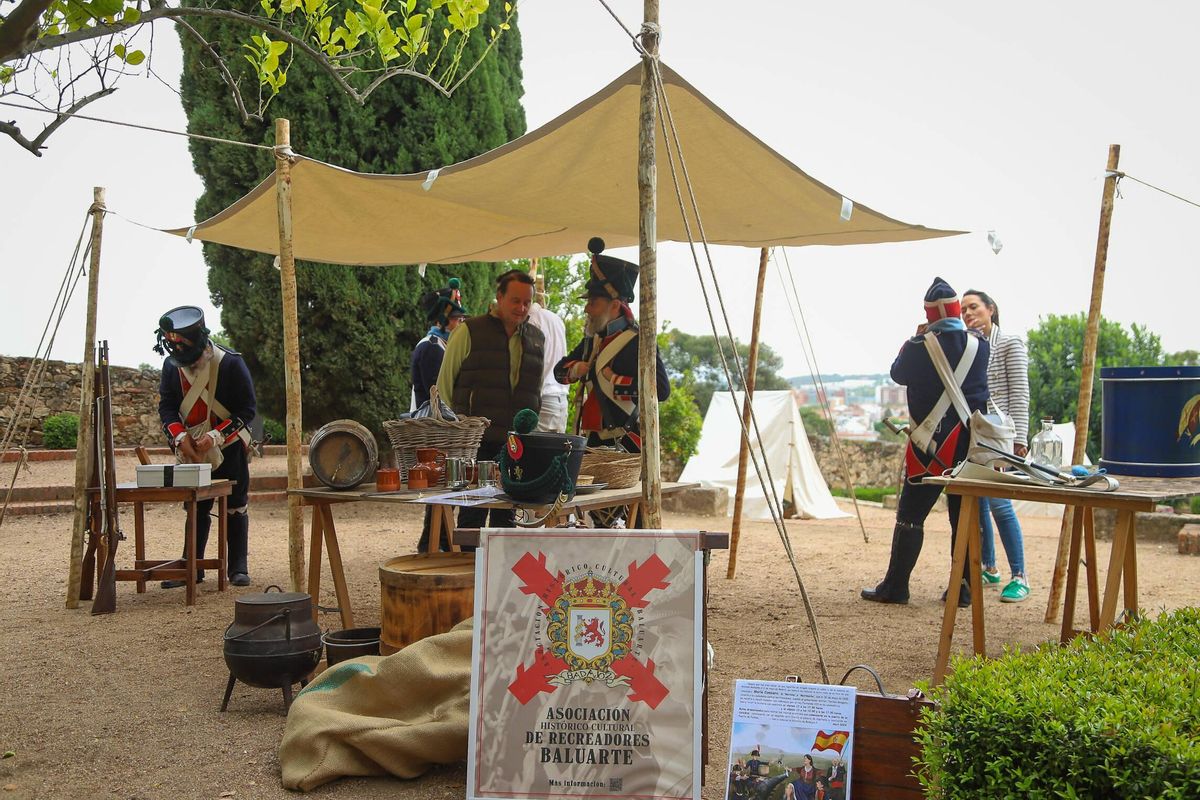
{"x": 335, "y": 567}
{"x": 950, "y": 612}
{"x": 1089, "y": 554}
{"x": 634, "y": 515}
{"x": 1116, "y": 565}
{"x": 442, "y": 519}
{"x": 970, "y": 510}
{"x": 1131, "y": 588}
{"x": 190, "y": 552}
{"x": 314, "y": 558}
{"x": 222, "y": 545}
{"x": 1072, "y": 586}
{"x": 139, "y": 541}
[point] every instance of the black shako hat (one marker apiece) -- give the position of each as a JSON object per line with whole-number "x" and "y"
{"x": 441, "y": 304}
{"x": 612, "y": 278}
{"x": 181, "y": 335}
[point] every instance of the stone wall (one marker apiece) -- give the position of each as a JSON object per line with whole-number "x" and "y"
{"x": 871, "y": 463}
{"x": 134, "y": 401}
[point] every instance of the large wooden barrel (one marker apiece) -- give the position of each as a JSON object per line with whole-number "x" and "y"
{"x": 424, "y": 594}
{"x": 343, "y": 454}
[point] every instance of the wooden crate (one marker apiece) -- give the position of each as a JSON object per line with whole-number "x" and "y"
{"x": 884, "y": 747}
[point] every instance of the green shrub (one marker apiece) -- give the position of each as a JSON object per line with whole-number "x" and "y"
{"x": 679, "y": 421}
{"x": 873, "y": 493}
{"x": 1196, "y": 504}
{"x": 1117, "y": 717}
{"x": 60, "y": 432}
{"x": 274, "y": 431}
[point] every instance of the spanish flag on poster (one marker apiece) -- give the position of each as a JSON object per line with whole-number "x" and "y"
{"x": 831, "y": 740}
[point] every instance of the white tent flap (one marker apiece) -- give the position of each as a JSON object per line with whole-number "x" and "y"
{"x": 547, "y": 192}
{"x": 797, "y": 478}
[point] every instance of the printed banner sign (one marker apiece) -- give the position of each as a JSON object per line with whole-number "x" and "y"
{"x": 790, "y": 740}
{"x": 586, "y": 673}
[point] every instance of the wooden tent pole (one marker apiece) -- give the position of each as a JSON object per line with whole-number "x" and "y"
{"x": 744, "y": 451}
{"x": 291, "y": 349}
{"x": 84, "y": 452}
{"x": 1083, "y": 412}
{"x": 648, "y": 291}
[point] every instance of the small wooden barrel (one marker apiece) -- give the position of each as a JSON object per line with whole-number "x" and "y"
{"x": 343, "y": 454}
{"x": 424, "y": 594}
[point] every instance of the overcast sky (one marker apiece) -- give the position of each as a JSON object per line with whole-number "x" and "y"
{"x": 946, "y": 114}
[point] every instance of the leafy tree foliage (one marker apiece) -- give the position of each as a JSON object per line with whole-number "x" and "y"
{"x": 358, "y": 325}
{"x": 1056, "y": 365}
{"x": 684, "y": 352}
{"x": 1184, "y": 358}
{"x": 814, "y": 421}
{"x": 680, "y": 420}
{"x": 358, "y": 44}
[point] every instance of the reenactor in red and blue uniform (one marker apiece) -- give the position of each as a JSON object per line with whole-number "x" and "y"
{"x": 206, "y": 402}
{"x": 606, "y": 361}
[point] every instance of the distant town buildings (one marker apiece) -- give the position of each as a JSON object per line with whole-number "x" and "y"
{"x": 855, "y": 404}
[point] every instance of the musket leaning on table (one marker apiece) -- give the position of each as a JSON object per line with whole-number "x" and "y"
{"x": 110, "y": 521}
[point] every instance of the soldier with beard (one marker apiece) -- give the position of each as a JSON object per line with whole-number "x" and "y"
{"x": 606, "y": 361}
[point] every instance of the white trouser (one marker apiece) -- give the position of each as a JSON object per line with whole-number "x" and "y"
{"x": 553, "y": 416}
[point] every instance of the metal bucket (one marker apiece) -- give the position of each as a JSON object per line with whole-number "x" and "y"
{"x": 351, "y": 643}
{"x": 1151, "y": 421}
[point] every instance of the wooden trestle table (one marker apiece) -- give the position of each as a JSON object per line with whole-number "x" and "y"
{"x": 322, "y": 527}
{"x": 1134, "y": 494}
{"x": 174, "y": 568}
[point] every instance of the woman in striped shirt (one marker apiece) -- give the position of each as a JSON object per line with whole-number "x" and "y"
{"x": 1008, "y": 384}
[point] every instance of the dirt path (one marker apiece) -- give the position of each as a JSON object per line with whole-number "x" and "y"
{"x": 125, "y": 706}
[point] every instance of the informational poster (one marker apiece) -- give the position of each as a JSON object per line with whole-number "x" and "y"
{"x": 586, "y": 669}
{"x": 795, "y": 735}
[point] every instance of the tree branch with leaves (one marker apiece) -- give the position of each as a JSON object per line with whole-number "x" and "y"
{"x": 360, "y": 44}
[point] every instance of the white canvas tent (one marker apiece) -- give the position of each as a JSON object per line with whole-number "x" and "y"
{"x": 793, "y": 466}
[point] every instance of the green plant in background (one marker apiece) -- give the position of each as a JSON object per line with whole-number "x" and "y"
{"x": 274, "y": 431}
{"x": 358, "y": 324}
{"x": 875, "y": 494}
{"x": 1115, "y": 717}
{"x": 679, "y": 421}
{"x": 1056, "y": 366}
{"x": 814, "y": 421}
{"x": 60, "y": 432}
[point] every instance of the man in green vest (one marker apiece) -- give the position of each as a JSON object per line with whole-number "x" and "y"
{"x": 493, "y": 368}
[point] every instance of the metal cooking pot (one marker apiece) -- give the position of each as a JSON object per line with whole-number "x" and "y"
{"x": 273, "y": 641}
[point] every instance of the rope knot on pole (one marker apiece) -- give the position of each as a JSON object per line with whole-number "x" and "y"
{"x": 97, "y": 208}
{"x": 284, "y": 152}
{"x": 649, "y": 39}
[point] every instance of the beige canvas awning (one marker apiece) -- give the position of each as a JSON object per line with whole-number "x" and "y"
{"x": 552, "y": 189}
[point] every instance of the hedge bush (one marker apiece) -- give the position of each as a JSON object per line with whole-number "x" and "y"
{"x": 873, "y": 493}
{"x": 274, "y": 431}
{"x": 1117, "y": 717}
{"x": 60, "y": 431}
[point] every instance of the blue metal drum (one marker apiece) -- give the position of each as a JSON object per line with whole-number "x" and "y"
{"x": 1151, "y": 421}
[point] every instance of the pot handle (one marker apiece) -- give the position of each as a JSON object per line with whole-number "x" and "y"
{"x": 287, "y": 619}
{"x": 274, "y": 586}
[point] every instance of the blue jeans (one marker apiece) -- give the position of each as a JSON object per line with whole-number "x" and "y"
{"x": 1010, "y": 534}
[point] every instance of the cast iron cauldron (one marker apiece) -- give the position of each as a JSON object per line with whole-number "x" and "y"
{"x": 530, "y": 473}
{"x": 272, "y": 643}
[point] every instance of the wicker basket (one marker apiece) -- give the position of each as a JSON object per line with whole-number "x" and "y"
{"x": 619, "y": 470}
{"x": 456, "y": 438}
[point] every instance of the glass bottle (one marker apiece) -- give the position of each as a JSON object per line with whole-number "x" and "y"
{"x": 1047, "y": 446}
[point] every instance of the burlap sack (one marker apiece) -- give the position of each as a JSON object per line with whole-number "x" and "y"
{"x": 376, "y": 715}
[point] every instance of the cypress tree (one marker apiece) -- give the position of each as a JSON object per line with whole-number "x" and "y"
{"x": 358, "y": 325}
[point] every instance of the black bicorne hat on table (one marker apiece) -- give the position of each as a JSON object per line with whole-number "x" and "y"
{"x": 611, "y": 277}
{"x": 181, "y": 335}
{"x": 441, "y": 304}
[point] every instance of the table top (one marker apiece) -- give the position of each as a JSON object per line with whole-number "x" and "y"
{"x": 1136, "y": 493}
{"x": 603, "y": 498}
{"x": 132, "y": 493}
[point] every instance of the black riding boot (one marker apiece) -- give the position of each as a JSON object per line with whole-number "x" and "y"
{"x": 203, "y": 523}
{"x": 906, "y": 547}
{"x": 237, "y": 534}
